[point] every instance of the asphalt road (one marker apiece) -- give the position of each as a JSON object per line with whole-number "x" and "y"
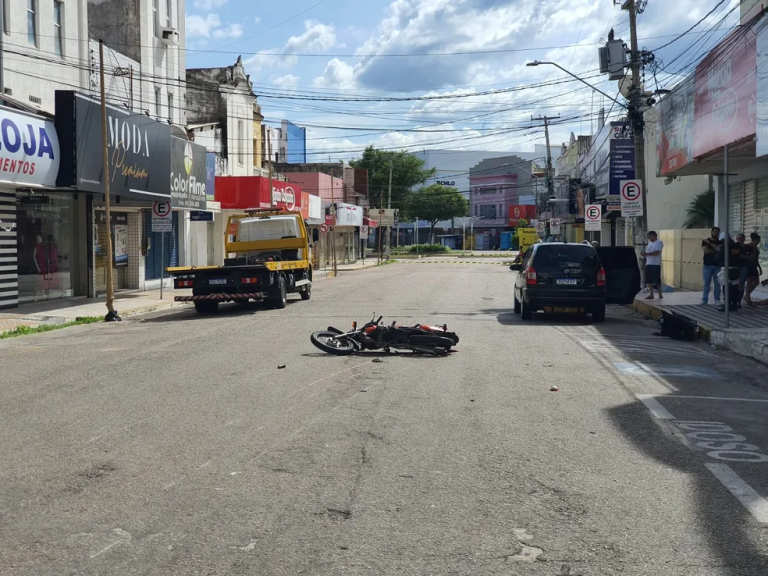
{"x": 173, "y": 444}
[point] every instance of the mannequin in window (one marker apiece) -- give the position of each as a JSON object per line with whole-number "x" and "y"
{"x": 46, "y": 257}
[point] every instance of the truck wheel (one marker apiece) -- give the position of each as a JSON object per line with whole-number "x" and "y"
{"x": 306, "y": 294}
{"x": 207, "y": 306}
{"x": 282, "y": 294}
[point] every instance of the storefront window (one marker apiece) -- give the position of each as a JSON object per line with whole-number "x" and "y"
{"x": 44, "y": 239}
{"x": 120, "y": 257}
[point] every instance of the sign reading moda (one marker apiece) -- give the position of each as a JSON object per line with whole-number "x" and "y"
{"x": 188, "y": 175}
{"x": 29, "y": 149}
{"x": 139, "y": 149}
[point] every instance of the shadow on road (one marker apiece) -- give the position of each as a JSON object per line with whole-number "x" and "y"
{"x": 226, "y": 310}
{"x": 724, "y": 520}
{"x": 507, "y": 317}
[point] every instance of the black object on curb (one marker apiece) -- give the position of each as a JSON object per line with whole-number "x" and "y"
{"x": 112, "y": 317}
{"x": 280, "y": 366}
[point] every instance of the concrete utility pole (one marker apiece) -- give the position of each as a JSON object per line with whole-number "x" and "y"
{"x": 111, "y": 314}
{"x": 389, "y": 206}
{"x": 636, "y": 118}
{"x": 269, "y": 168}
{"x": 550, "y": 172}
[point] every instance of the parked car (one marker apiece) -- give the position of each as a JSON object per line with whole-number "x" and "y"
{"x": 566, "y": 275}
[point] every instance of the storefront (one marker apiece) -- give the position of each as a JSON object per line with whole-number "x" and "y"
{"x": 38, "y": 260}
{"x": 349, "y": 218}
{"x": 146, "y": 165}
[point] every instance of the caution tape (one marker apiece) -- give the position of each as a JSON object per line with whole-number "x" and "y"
{"x": 454, "y": 262}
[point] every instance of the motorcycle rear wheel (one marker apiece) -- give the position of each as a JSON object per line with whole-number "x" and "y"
{"x": 327, "y": 342}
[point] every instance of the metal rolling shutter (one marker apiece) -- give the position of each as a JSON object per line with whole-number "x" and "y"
{"x": 209, "y": 235}
{"x": 750, "y": 220}
{"x": 9, "y": 279}
{"x": 736, "y": 209}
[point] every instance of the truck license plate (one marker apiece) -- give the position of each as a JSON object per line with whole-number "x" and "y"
{"x": 217, "y": 281}
{"x": 567, "y": 281}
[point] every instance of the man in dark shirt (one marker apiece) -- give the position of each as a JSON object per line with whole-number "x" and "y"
{"x": 710, "y": 246}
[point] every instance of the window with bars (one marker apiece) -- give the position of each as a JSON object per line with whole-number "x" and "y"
{"x": 58, "y": 27}
{"x": 158, "y": 103}
{"x": 155, "y": 17}
{"x": 168, "y": 13}
{"x": 170, "y": 107}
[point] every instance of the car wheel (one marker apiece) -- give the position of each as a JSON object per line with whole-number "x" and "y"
{"x": 515, "y": 304}
{"x": 526, "y": 313}
{"x": 306, "y": 294}
{"x": 598, "y": 314}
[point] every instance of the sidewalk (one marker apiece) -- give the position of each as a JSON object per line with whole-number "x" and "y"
{"x": 63, "y": 311}
{"x": 747, "y": 334}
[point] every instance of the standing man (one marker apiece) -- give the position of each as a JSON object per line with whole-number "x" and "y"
{"x": 743, "y": 247}
{"x": 652, "y": 254}
{"x": 710, "y": 247}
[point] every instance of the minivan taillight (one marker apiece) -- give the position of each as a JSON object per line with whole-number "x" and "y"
{"x": 601, "y": 277}
{"x": 530, "y": 275}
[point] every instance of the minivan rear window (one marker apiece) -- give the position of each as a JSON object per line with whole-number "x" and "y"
{"x": 555, "y": 258}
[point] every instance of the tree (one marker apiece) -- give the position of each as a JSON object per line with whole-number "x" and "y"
{"x": 407, "y": 171}
{"x": 435, "y": 203}
{"x": 701, "y": 211}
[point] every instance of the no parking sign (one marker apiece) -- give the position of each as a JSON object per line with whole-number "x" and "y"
{"x": 593, "y": 217}
{"x": 631, "y": 197}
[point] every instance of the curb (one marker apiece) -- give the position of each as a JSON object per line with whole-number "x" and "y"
{"x": 653, "y": 312}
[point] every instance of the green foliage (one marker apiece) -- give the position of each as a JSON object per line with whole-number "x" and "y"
{"x": 435, "y": 203}
{"x": 701, "y": 211}
{"x": 27, "y": 330}
{"x": 407, "y": 171}
{"x": 422, "y": 249}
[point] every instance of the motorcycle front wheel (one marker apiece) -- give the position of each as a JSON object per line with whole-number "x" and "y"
{"x": 328, "y": 342}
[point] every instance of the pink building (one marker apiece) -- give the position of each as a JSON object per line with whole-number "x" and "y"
{"x": 329, "y": 188}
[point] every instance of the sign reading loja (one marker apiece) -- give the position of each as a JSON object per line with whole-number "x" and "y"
{"x": 29, "y": 150}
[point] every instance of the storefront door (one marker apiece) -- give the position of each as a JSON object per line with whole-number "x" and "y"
{"x": 119, "y": 232}
{"x": 44, "y": 243}
{"x": 159, "y": 243}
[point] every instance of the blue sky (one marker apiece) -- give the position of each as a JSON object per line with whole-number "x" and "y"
{"x": 380, "y": 68}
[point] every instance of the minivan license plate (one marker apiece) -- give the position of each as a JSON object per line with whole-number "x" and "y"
{"x": 217, "y": 281}
{"x": 567, "y": 281}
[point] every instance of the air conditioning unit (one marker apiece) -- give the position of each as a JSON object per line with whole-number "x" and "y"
{"x": 169, "y": 36}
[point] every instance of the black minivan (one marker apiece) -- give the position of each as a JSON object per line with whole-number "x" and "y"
{"x": 566, "y": 275}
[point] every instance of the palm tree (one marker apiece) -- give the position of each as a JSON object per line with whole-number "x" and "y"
{"x": 701, "y": 211}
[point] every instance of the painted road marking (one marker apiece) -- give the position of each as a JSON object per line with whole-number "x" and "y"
{"x": 624, "y": 346}
{"x": 721, "y": 443}
{"x": 742, "y": 491}
{"x": 654, "y": 407}
{"x": 669, "y": 371}
{"x": 723, "y": 398}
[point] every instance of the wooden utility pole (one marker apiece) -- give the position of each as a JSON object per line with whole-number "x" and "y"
{"x": 636, "y": 118}
{"x": 111, "y": 314}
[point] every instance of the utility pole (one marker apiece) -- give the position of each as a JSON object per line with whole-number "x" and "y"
{"x": 381, "y": 245}
{"x": 389, "y": 206}
{"x": 636, "y": 117}
{"x": 111, "y": 314}
{"x": 269, "y": 168}
{"x": 550, "y": 173}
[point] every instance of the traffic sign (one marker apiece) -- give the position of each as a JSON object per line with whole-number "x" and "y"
{"x": 593, "y": 218}
{"x": 329, "y": 219}
{"x": 540, "y": 228}
{"x": 324, "y": 228}
{"x": 161, "y": 217}
{"x": 363, "y": 232}
{"x": 554, "y": 226}
{"x": 631, "y": 197}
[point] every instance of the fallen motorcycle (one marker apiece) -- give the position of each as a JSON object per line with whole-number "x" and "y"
{"x": 419, "y": 339}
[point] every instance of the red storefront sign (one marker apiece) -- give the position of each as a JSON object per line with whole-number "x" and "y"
{"x": 726, "y": 85}
{"x": 243, "y": 192}
{"x": 305, "y": 205}
{"x": 519, "y": 212}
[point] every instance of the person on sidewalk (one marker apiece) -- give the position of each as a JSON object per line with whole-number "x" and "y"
{"x": 652, "y": 254}
{"x": 750, "y": 259}
{"x": 730, "y": 275}
{"x": 710, "y": 246}
{"x": 741, "y": 241}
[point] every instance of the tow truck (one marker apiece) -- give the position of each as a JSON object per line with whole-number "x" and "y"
{"x": 268, "y": 257}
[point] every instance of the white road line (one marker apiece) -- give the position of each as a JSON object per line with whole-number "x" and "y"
{"x": 105, "y": 549}
{"x": 743, "y": 492}
{"x": 654, "y": 407}
{"x": 721, "y": 398}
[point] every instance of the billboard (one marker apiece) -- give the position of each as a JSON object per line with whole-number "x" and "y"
{"x": 29, "y": 150}
{"x": 674, "y": 140}
{"x": 243, "y": 192}
{"x": 189, "y": 175}
{"x": 521, "y": 212}
{"x": 725, "y": 101}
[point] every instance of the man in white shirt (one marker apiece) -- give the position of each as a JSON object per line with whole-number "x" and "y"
{"x": 652, "y": 255}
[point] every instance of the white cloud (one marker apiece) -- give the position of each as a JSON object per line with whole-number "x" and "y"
{"x": 256, "y": 20}
{"x": 337, "y": 74}
{"x": 209, "y": 4}
{"x": 231, "y": 31}
{"x": 287, "y": 81}
{"x": 202, "y": 25}
{"x": 316, "y": 38}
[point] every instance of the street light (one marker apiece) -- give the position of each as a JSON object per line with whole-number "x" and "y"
{"x": 611, "y": 98}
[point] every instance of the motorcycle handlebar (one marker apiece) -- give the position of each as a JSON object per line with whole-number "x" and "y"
{"x": 379, "y": 319}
